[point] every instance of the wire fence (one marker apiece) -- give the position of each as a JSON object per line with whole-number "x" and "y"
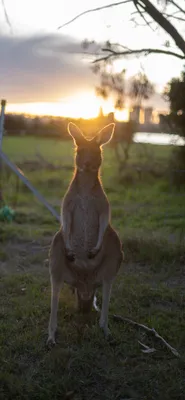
{"x": 45, "y": 165}
{"x": 149, "y": 208}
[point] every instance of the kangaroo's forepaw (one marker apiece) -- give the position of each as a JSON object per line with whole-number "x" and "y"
{"x": 70, "y": 255}
{"x": 107, "y": 332}
{"x": 92, "y": 253}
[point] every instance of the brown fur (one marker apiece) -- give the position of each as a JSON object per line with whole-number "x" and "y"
{"x": 86, "y": 252}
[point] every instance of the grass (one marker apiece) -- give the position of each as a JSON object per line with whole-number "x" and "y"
{"x": 150, "y": 287}
{"x": 83, "y": 362}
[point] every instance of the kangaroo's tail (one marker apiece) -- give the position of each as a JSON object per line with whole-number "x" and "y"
{"x": 84, "y": 305}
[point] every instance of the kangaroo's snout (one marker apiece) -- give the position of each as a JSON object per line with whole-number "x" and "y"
{"x": 88, "y": 157}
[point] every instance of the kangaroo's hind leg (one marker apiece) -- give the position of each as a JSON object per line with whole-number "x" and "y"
{"x": 58, "y": 270}
{"x": 110, "y": 266}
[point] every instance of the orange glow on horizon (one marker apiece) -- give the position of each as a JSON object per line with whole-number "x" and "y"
{"x": 141, "y": 117}
{"x": 83, "y": 105}
{"x": 122, "y": 115}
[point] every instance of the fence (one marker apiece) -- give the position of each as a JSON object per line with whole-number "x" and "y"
{"x": 17, "y": 171}
{"x": 125, "y": 209}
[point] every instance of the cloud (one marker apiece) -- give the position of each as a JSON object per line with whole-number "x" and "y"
{"x": 46, "y": 68}
{"x": 42, "y": 68}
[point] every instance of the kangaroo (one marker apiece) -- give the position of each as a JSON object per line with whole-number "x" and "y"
{"x": 86, "y": 252}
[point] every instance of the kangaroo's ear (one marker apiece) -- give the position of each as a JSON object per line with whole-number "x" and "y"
{"x": 105, "y": 135}
{"x": 76, "y": 133}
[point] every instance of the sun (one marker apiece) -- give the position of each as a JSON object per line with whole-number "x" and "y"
{"x": 122, "y": 115}
{"x": 84, "y": 105}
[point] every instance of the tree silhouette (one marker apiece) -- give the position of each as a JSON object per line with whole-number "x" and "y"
{"x": 166, "y": 14}
{"x": 140, "y": 88}
{"x": 175, "y": 94}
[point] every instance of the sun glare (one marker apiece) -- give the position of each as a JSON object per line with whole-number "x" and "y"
{"x": 83, "y": 105}
{"x": 122, "y": 115}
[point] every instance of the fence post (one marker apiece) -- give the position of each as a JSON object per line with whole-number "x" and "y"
{"x": 3, "y": 104}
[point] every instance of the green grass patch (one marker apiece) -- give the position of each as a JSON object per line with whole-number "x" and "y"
{"x": 149, "y": 215}
{"x": 84, "y": 364}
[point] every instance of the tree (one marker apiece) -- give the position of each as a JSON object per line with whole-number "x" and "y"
{"x": 140, "y": 88}
{"x": 166, "y": 14}
{"x": 110, "y": 83}
{"x": 14, "y": 124}
{"x": 175, "y": 94}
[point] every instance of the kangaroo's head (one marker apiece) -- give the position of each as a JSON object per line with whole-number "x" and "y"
{"x": 89, "y": 152}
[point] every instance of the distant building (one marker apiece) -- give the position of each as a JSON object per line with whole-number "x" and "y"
{"x": 101, "y": 115}
{"x": 148, "y": 115}
{"x": 163, "y": 117}
{"x": 110, "y": 117}
{"x": 135, "y": 114}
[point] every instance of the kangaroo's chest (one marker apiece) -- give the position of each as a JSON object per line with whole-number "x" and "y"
{"x": 85, "y": 222}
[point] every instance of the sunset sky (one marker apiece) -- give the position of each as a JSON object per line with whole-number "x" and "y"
{"x": 43, "y": 69}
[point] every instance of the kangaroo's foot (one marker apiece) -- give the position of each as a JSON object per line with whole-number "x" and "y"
{"x": 52, "y": 325}
{"x": 106, "y": 330}
{"x": 51, "y": 341}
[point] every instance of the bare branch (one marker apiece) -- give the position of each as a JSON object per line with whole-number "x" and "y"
{"x": 177, "y": 6}
{"x": 174, "y": 17}
{"x": 141, "y": 13}
{"x": 105, "y": 58}
{"x": 113, "y": 53}
{"x": 150, "y": 330}
{"x": 147, "y": 349}
{"x": 164, "y": 23}
{"x": 94, "y": 10}
{"x": 120, "y": 45}
{"x": 6, "y": 15}
{"x": 155, "y": 14}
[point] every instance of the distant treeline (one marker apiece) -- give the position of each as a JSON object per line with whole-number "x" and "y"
{"x": 19, "y": 125}
{"x": 56, "y": 127}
